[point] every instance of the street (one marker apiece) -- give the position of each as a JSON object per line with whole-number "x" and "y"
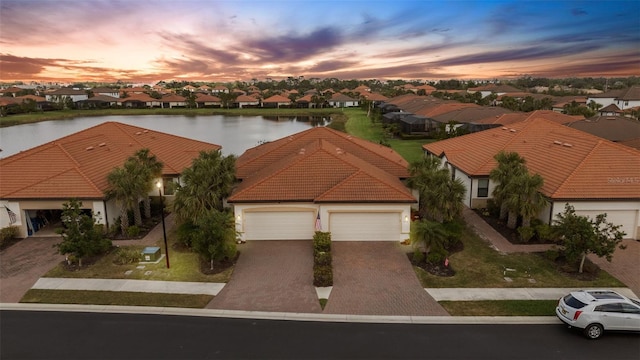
{"x": 75, "y": 335}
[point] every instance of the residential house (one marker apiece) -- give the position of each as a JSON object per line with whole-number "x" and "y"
{"x": 106, "y": 92}
{"x": 139, "y": 101}
{"x": 76, "y": 166}
{"x": 218, "y": 89}
{"x": 98, "y": 102}
{"x": 622, "y": 98}
{"x": 173, "y": 100}
{"x": 61, "y": 95}
{"x": 204, "y": 100}
{"x": 276, "y": 101}
{"x": 496, "y": 89}
{"x": 590, "y": 173}
{"x": 244, "y": 101}
{"x": 340, "y": 100}
{"x": 322, "y": 179}
{"x": 618, "y": 129}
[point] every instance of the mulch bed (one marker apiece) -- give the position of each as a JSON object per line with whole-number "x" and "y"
{"x": 511, "y": 235}
{"x": 218, "y": 267}
{"x": 437, "y": 269}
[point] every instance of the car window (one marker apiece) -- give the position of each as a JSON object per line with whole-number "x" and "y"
{"x": 635, "y": 301}
{"x": 630, "y": 309}
{"x": 615, "y": 307}
{"x": 573, "y": 302}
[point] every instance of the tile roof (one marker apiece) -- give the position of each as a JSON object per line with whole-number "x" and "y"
{"x": 77, "y": 165}
{"x": 574, "y": 164}
{"x": 472, "y": 114}
{"x": 207, "y": 98}
{"x": 614, "y": 128}
{"x": 320, "y": 165}
{"x": 277, "y": 99}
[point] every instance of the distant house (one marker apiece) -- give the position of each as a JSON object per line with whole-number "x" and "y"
{"x": 62, "y": 95}
{"x": 173, "y": 100}
{"x": 220, "y": 89}
{"x": 276, "y": 101}
{"x": 98, "y": 102}
{"x": 623, "y": 99}
{"x": 204, "y": 100}
{"x": 139, "y": 101}
{"x": 590, "y": 173}
{"x": 41, "y": 179}
{"x": 339, "y": 100}
{"x": 618, "y": 129}
{"x": 106, "y": 91}
{"x": 244, "y": 101}
{"x": 489, "y": 89}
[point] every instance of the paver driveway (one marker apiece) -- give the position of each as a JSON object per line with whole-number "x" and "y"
{"x": 376, "y": 278}
{"x": 23, "y": 263}
{"x": 271, "y": 276}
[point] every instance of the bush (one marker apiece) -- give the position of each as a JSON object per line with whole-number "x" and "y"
{"x": 7, "y": 234}
{"x": 322, "y": 258}
{"x": 125, "y": 256}
{"x": 322, "y": 276}
{"x": 321, "y": 242}
{"x": 418, "y": 256}
{"x": 133, "y": 231}
{"x": 526, "y": 233}
{"x": 436, "y": 256}
{"x": 544, "y": 232}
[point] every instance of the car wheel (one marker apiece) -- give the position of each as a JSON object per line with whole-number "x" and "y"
{"x": 593, "y": 331}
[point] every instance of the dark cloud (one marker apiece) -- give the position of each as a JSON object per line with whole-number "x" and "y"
{"x": 526, "y": 53}
{"x": 194, "y": 48}
{"x": 185, "y": 66}
{"x": 333, "y": 65}
{"x": 293, "y": 47}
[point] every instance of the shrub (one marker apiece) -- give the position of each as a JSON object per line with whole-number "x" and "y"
{"x": 418, "y": 256}
{"x": 125, "y": 256}
{"x": 322, "y": 258}
{"x": 8, "y": 233}
{"x": 526, "y": 233}
{"x": 544, "y": 232}
{"x": 133, "y": 231}
{"x": 322, "y": 276}
{"x": 437, "y": 256}
{"x": 321, "y": 242}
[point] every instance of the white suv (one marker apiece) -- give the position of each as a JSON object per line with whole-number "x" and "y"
{"x": 595, "y": 311}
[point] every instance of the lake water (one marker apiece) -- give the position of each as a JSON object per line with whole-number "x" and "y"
{"x": 234, "y": 133}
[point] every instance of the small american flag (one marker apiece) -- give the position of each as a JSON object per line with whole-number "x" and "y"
{"x": 446, "y": 262}
{"x": 318, "y": 224}
{"x": 13, "y": 218}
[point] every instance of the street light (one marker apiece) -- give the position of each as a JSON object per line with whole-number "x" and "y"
{"x": 164, "y": 230}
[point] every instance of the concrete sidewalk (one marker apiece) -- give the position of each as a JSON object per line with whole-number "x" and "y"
{"x": 479, "y": 294}
{"x": 149, "y": 286}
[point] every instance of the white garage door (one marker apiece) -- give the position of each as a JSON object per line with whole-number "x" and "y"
{"x": 365, "y": 226}
{"x": 626, "y": 218}
{"x": 280, "y": 225}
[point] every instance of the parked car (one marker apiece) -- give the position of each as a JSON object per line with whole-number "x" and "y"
{"x": 596, "y": 311}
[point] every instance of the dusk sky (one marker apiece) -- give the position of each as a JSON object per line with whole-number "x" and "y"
{"x": 210, "y": 40}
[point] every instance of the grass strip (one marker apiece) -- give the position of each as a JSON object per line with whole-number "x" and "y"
{"x": 123, "y": 298}
{"x": 501, "y": 307}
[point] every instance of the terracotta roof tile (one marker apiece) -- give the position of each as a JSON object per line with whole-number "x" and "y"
{"x": 574, "y": 164}
{"x": 79, "y": 163}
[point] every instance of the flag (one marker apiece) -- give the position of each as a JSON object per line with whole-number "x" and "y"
{"x": 13, "y": 218}
{"x": 446, "y": 262}
{"x": 318, "y": 224}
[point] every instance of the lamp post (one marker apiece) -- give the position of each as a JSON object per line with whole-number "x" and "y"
{"x": 164, "y": 230}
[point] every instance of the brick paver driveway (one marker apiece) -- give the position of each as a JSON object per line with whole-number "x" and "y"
{"x": 271, "y": 276}
{"x": 376, "y": 278}
{"x": 624, "y": 265}
{"x": 22, "y": 264}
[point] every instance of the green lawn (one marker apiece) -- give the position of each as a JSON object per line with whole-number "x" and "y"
{"x": 479, "y": 265}
{"x": 501, "y": 308}
{"x": 185, "y": 266}
{"x": 115, "y": 298}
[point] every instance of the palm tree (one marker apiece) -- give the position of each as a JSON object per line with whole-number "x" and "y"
{"x": 428, "y": 235}
{"x": 153, "y": 170}
{"x": 524, "y": 199}
{"x": 205, "y": 185}
{"x": 450, "y": 201}
{"x": 510, "y": 165}
{"x": 123, "y": 190}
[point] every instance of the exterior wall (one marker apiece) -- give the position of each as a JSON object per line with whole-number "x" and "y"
{"x": 602, "y": 101}
{"x": 627, "y": 104}
{"x": 325, "y": 211}
{"x": 599, "y": 207}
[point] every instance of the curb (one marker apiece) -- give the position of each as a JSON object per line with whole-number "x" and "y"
{"x": 261, "y": 315}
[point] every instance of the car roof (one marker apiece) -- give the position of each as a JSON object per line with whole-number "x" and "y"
{"x": 590, "y": 296}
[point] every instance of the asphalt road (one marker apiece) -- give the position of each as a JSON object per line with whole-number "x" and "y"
{"x": 75, "y": 335}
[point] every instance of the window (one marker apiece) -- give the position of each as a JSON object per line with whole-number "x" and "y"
{"x": 614, "y": 307}
{"x": 483, "y": 188}
{"x": 167, "y": 186}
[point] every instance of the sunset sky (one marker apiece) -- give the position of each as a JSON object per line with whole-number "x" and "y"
{"x": 210, "y": 40}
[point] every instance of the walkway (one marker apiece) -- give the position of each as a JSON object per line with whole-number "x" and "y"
{"x": 147, "y": 286}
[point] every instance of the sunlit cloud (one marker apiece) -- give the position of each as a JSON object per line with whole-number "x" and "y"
{"x": 239, "y": 40}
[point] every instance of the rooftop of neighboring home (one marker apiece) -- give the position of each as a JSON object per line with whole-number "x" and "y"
{"x": 66, "y": 91}
{"x": 102, "y": 98}
{"x": 443, "y": 108}
{"x": 77, "y": 165}
{"x": 321, "y": 165}
{"x": 495, "y": 88}
{"x": 472, "y": 114}
{"x": 614, "y": 128}
{"x": 341, "y": 97}
{"x": 207, "y": 98}
{"x": 632, "y": 93}
{"x": 512, "y": 118}
{"x": 142, "y": 97}
{"x": 574, "y": 164}
{"x": 172, "y": 98}
{"x": 277, "y": 99}
{"x": 105, "y": 90}
{"x": 372, "y": 96}
{"x": 246, "y": 98}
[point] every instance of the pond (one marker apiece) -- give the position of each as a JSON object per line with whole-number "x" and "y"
{"x": 234, "y": 133}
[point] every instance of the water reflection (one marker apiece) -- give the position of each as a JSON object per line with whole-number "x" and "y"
{"x": 234, "y": 133}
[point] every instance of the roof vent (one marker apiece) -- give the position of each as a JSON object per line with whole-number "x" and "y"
{"x": 139, "y": 133}
{"x": 339, "y": 151}
{"x": 102, "y": 144}
{"x": 89, "y": 148}
{"x": 504, "y": 128}
{"x": 512, "y": 130}
{"x": 146, "y": 131}
{"x": 557, "y": 142}
{"x": 302, "y": 151}
{"x": 567, "y": 145}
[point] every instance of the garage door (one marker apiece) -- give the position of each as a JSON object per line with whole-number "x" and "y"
{"x": 365, "y": 226}
{"x": 626, "y": 218}
{"x": 281, "y": 225}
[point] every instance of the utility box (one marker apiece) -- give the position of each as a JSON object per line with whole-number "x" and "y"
{"x": 151, "y": 254}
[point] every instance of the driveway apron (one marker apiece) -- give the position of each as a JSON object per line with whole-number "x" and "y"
{"x": 271, "y": 276}
{"x": 23, "y": 263}
{"x": 376, "y": 278}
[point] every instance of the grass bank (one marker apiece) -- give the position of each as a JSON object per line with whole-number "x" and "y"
{"x": 479, "y": 265}
{"x": 122, "y": 298}
{"x": 500, "y": 308}
{"x": 19, "y": 119}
